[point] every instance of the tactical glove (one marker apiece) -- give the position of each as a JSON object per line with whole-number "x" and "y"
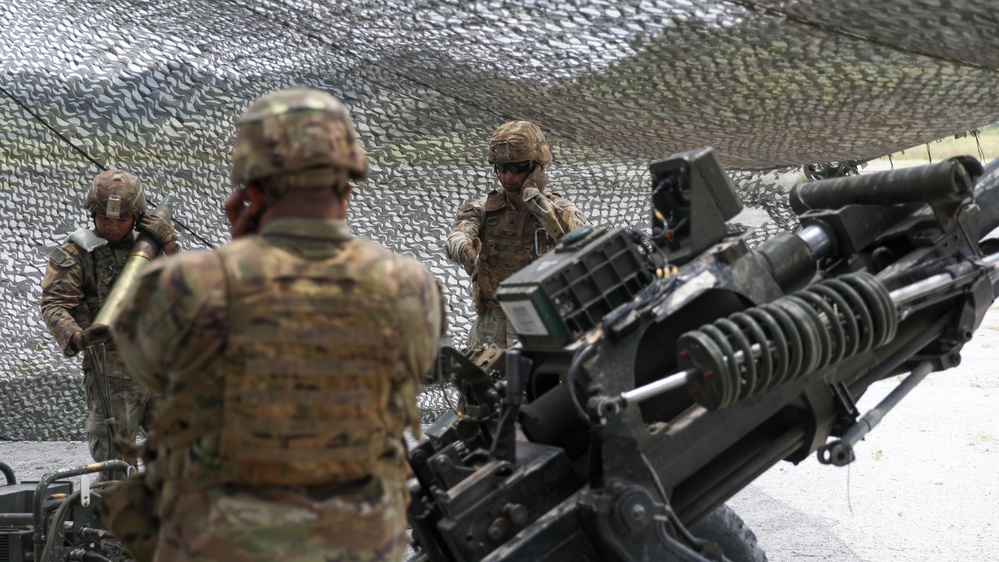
{"x": 542, "y": 208}
{"x": 532, "y": 193}
{"x": 470, "y": 255}
{"x": 159, "y": 229}
{"x": 539, "y": 205}
{"x": 76, "y": 343}
{"x": 94, "y": 335}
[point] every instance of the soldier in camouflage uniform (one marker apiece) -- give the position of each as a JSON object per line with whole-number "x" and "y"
{"x": 504, "y": 231}
{"x": 80, "y": 275}
{"x": 289, "y": 359}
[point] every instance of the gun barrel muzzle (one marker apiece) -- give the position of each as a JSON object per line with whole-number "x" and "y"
{"x": 951, "y": 179}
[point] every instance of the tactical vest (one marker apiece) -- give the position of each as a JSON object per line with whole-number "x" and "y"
{"x": 101, "y": 267}
{"x": 306, "y": 374}
{"x": 105, "y": 265}
{"x": 511, "y": 239}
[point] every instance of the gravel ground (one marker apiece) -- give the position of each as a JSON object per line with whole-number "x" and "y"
{"x": 923, "y": 488}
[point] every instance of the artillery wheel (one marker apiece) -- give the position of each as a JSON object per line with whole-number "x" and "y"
{"x": 729, "y": 532}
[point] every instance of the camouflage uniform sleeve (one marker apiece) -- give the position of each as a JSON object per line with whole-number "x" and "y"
{"x": 175, "y": 321}
{"x": 568, "y": 214}
{"x": 422, "y": 323}
{"x": 464, "y": 233}
{"x": 62, "y": 293}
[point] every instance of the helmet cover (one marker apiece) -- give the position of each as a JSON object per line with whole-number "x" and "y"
{"x": 297, "y": 138}
{"x": 519, "y": 141}
{"x": 115, "y": 194}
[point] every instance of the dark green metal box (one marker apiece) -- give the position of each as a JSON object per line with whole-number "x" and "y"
{"x": 568, "y": 291}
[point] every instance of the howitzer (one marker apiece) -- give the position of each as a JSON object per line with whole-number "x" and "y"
{"x": 657, "y": 376}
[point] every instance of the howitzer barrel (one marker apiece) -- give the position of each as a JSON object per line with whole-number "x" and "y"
{"x": 143, "y": 252}
{"x": 948, "y": 180}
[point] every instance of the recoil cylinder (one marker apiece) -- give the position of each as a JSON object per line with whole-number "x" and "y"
{"x": 755, "y": 350}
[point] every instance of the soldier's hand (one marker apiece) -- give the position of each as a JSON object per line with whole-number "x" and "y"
{"x": 160, "y": 230}
{"x": 244, "y": 207}
{"x": 96, "y": 335}
{"x": 76, "y": 342}
{"x": 544, "y": 211}
{"x": 470, "y": 256}
{"x": 531, "y": 193}
{"x": 536, "y": 203}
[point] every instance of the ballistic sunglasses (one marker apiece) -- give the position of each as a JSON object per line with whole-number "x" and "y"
{"x": 515, "y": 167}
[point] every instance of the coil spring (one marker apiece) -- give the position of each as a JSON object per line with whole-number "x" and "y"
{"x": 757, "y": 349}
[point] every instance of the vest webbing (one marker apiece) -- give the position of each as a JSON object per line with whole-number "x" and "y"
{"x": 508, "y": 244}
{"x": 101, "y": 267}
{"x": 306, "y": 374}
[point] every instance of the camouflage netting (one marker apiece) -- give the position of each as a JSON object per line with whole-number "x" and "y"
{"x": 154, "y": 87}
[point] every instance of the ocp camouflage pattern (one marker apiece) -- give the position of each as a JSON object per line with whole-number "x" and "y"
{"x": 519, "y": 141}
{"x": 492, "y": 240}
{"x": 173, "y": 333}
{"x": 366, "y": 524}
{"x": 302, "y": 136}
{"x": 76, "y": 282}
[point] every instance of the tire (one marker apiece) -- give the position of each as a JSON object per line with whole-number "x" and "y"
{"x": 729, "y": 532}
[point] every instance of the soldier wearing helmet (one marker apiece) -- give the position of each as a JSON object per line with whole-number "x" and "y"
{"x": 500, "y": 233}
{"x": 289, "y": 359}
{"x": 78, "y": 279}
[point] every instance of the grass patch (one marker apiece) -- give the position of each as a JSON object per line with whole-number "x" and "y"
{"x": 984, "y": 441}
{"x": 965, "y": 143}
{"x": 984, "y": 382}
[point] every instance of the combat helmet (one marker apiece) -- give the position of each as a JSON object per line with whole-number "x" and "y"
{"x": 115, "y": 194}
{"x": 297, "y": 138}
{"x": 519, "y": 141}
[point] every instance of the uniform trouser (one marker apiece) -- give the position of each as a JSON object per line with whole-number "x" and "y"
{"x": 235, "y": 524}
{"x": 131, "y": 407}
{"x": 492, "y": 327}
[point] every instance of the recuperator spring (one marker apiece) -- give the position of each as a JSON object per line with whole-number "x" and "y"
{"x": 757, "y": 349}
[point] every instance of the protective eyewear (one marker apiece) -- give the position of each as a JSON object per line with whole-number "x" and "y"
{"x": 515, "y": 167}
